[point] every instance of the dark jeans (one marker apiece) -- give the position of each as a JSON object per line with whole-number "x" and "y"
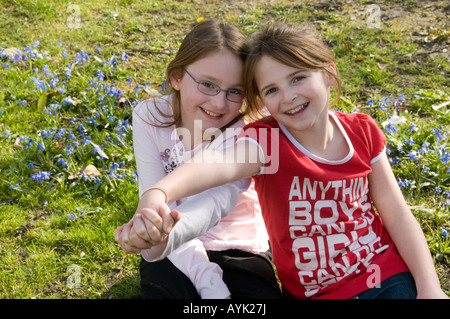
{"x": 400, "y": 286}
{"x": 247, "y": 275}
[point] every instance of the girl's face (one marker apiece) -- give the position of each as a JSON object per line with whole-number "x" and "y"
{"x": 295, "y": 98}
{"x": 221, "y": 68}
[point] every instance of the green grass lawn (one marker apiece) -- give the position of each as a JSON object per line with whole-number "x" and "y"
{"x": 70, "y": 75}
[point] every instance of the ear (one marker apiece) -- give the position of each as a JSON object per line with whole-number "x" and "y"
{"x": 331, "y": 80}
{"x": 175, "y": 79}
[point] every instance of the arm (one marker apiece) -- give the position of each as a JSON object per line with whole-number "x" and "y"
{"x": 201, "y": 173}
{"x": 404, "y": 229}
{"x": 200, "y": 213}
{"x": 212, "y": 168}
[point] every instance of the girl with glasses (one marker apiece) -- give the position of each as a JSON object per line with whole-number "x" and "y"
{"x": 205, "y": 82}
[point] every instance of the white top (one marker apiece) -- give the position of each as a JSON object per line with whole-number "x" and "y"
{"x": 230, "y": 214}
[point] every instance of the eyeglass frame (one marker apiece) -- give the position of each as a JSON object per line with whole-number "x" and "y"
{"x": 217, "y": 90}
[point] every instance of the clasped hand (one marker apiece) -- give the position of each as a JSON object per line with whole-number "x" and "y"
{"x": 149, "y": 226}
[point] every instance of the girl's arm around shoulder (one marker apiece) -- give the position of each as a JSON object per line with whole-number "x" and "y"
{"x": 211, "y": 168}
{"x": 403, "y": 228}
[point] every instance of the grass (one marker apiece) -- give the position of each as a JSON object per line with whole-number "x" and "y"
{"x": 58, "y": 215}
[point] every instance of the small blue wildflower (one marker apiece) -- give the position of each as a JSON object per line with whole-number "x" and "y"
{"x": 35, "y": 44}
{"x": 423, "y": 149}
{"x": 437, "y": 190}
{"x": 123, "y": 56}
{"x": 100, "y": 75}
{"x": 62, "y": 161}
{"x": 7, "y": 133}
{"x": 40, "y": 147}
{"x": 60, "y": 133}
{"x": 444, "y": 233}
{"x": 437, "y": 133}
{"x": 445, "y": 158}
{"x": 40, "y": 84}
{"x": 41, "y": 176}
{"x": 413, "y": 128}
{"x": 391, "y": 129}
{"x": 409, "y": 141}
{"x": 46, "y": 134}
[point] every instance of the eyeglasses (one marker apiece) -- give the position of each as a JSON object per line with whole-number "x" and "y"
{"x": 211, "y": 89}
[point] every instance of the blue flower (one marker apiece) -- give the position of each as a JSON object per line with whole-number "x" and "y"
{"x": 40, "y": 84}
{"x": 62, "y": 161}
{"x": 41, "y": 176}
{"x": 409, "y": 141}
{"x": 437, "y": 133}
{"x": 444, "y": 233}
{"x": 100, "y": 75}
{"x": 413, "y": 128}
{"x": 412, "y": 156}
{"x": 40, "y": 147}
{"x": 123, "y": 56}
{"x": 444, "y": 159}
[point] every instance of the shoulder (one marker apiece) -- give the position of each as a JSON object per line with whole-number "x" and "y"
{"x": 355, "y": 118}
{"x": 363, "y": 131}
{"x": 267, "y": 122}
{"x": 154, "y": 111}
{"x": 358, "y": 123}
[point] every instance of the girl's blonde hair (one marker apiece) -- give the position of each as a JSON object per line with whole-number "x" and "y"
{"x": 295, "y": 46}
{"x": 205, "y": 38}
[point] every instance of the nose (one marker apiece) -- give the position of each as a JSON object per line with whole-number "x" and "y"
{"x": 219, "y": 101}
{"x": 289, "y": 95}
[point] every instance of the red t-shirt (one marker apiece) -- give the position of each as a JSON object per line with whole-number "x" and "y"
{"x": 327, "y": 240}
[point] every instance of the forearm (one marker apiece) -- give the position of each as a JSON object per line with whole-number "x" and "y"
{"x": 206, "y": 170}
{"x": 412, "y": 246}
{"x": 199, "y": 214}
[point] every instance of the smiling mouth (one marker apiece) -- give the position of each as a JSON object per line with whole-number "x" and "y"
{"x": 211, "y": 113}
{"x": 297, "y": 109}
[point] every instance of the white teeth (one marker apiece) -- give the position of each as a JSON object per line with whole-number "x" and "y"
{"x": 297, "y": 109}
{"x": 211, "y": 113}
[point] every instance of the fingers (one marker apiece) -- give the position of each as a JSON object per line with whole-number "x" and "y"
{"x": 176, "y": 216}
{"x": 149, "y": 228}
{"x": 128, "y": 240}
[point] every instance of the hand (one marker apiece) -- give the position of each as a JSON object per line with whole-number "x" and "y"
{"x": 131, "y": 244}
{"x": 149, "y": 226}
{"x": 154, "y": 226}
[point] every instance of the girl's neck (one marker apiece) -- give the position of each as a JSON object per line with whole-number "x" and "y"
{"x": 325, "y": 140}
